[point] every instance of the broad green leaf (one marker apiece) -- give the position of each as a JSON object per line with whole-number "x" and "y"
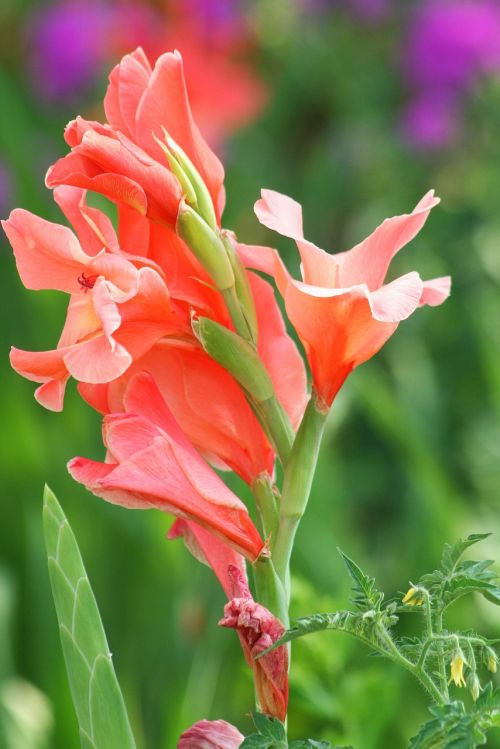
{"x": 97, "y": 698}
{"x": 366, "y": 595}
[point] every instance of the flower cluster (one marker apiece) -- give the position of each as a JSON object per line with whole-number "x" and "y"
{"x": 177, "y": 340}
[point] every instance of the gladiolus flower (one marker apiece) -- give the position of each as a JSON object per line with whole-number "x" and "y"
{"x": 116, "y": 311}
{"x": 258, "y": 629}
{"x": 211, "y": 734}
{"x": 150, "y": 463}
{"x": 123, "y": 160}
{"x": 206, "y": 401}
{"x": 342, "y": 310}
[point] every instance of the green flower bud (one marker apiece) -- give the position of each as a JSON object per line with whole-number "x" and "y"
{"x": 206, "y": 246}
{"x": 236, "y": 355}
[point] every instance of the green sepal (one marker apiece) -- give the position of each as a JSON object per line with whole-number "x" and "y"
{"x": 97, "y": 698}
{"x": 236, "y": 355}
{"x": 204, "y": 203}
{"x": 206, "y": 245}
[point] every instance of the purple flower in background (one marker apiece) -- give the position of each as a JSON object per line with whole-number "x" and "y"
{"x": 430, "y": 121}
{"x": 214, "y": 12}
{"x": 67, "y": 45}
{"x": 450, "y": 44}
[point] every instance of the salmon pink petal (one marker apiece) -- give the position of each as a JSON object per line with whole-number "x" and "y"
{"x": 96, "y": 395}
{"x": 278, "y": 352}
{"x": 46, "y": 367}
{"x": 256, "y": 257}
{"x": 209, "y": 550}
{"x": 80, "y": 171}
{"x": 280, "y": 213}
{"x": 76, "y": 129}
{"x": 165, "y": 104}
{"x": 211, "y": 734}
{"x": 97, "y": 360}
{"x": 165, "y": 472}
{"x": 397, "y": 300}
{"x": 93, "y": 228}
{"x": 368, "y": 261}
{"x": 284, "y": 215}
{"x": 436, "y": 291}
{"x": 48, "y": 256}
{"x": 208, "y": 404}
{"x": 91, "y": 474}
{"x": 127, "y": 83}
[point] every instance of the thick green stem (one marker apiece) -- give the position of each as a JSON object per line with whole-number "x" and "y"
{"x": 299, "y": 473}
{"x": 277, "y": 426}
{"x": 267, "y": 504}
{"x": 270, "y": 590}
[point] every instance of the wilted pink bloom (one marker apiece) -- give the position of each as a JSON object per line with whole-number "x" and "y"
{"x": 342, "y": 310}
{"x": 211, "y": 734}
{"x": 258, "y": 629}
{"x": 151, "y": 464}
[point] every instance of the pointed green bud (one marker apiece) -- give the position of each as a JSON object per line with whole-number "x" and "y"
{"x": 474, "y": 686}
{"x": 206, "y": 246}
{"x": 236, "y": 355}
{"x": 243, "y": 290}
{"x": 205, "y": 206}
{"x": 491, "y": 660}
{"x": 176, "y": 168}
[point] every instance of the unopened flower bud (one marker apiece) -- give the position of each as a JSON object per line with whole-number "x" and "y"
{"x": 236, "y": 355}
{"x": 492, "y": 661}
{"x": 206, "y": 246}
{"x": 204, "y": 204}
{"x": 414, "y": 597}
{"x": 474, "y": 686}
{"x": 211, "y": 734}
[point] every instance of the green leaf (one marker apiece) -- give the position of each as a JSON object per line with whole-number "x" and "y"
{"x": 271, "y": 734}
{"x": 453, "y": 552}
{"x": 97, "y": 698}
{"x": 456, "y": 578}
{"x": 312, "y": 744}
{"x": 455, "y": 728}
{"x": 366, "y": 595}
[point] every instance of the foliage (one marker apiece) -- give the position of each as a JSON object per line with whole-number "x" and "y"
{"x": 271, "y": 734}
{"x": 429, "y": 656}
{"x": 96, "y": 694}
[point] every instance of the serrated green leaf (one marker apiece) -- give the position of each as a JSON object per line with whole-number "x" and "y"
{"x": 98, "y": 701}
{"x": 256, "y": 741}
{"x": 455, "y": 728}
{"x": 271, "y": 727}
{"x": 366, "y": 595}
{"x": 453, "y": 552}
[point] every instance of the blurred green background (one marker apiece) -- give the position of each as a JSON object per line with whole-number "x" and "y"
{"x": 411, "y": 457}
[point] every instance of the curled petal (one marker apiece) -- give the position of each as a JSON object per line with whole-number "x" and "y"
{"x": 156, "y": 466}
{"x": 436, "y": 291}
